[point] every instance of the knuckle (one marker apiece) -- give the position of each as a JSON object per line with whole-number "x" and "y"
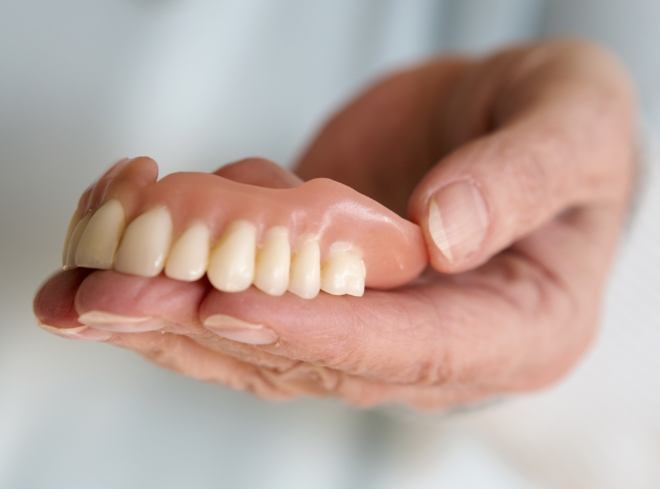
{"x": 434, "y": 371}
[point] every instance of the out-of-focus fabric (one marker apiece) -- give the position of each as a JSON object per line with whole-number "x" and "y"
{"x": 197, "y": 83}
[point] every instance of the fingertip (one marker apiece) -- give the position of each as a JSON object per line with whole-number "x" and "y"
{"x": 259, "y": 171}
{"x": 141, "y": 168}
{"x": 53, "y": 303}
{"x": 455, "y": 219}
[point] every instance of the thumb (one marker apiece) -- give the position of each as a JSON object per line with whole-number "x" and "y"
{"x": 497, "y": 189}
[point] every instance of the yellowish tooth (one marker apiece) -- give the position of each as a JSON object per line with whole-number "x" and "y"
{"x": 305, "y": 278}
{"x": 72, "y": 245}
{"x": 67, "y": 240}
{"x": 145, "y": 244}
{"x": 344, "y": 271}
{"x": 99, "y": 240}
{"x": 189, "y": 254}
{"x": 273, "y": 262}
{"x": 231, "y": 264}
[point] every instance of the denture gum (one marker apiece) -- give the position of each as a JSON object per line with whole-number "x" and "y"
{"x": 320, "y": 235}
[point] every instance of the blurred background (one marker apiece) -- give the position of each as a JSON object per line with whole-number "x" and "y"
{"x": 197, "y": 83}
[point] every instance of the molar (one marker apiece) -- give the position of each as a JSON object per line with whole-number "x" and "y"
{"x": 189, "y": 254}
{"x": 273, "y": 262}
{"x": 231, "y": 264}
{"x": 145, "y": 244}
{"x": 305, "y": 279}
{"x": 98, "y": 242}
{"x": 344, "y": 271}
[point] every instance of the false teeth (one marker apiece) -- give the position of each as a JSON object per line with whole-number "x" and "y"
{"x": 145, "y": 244}
{"x": 273, "y": 262}
{"x": 343, "y": 272}
{"x": 231, "y": 264}
{"x": 305, "y": 277}
{"x": 71, "y": 244}
{"x": 98, "y": 242}
{"x": 189, "y": 254}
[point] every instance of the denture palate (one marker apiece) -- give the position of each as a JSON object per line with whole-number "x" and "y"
{"x": 321, "y": 235}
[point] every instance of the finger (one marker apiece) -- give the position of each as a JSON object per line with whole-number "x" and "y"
{"x": 474, "y": 328}
{"x": 113, "y": 301}
{"x": 54, "y": 302}
{"x": 55, "y": 310}
{"x": 140, "y": 171}
{"x": 560, "y": 144}
{"x": 259, "y": 171}
{"x": 233, "y": 364}
{"x": 181, "y": 354}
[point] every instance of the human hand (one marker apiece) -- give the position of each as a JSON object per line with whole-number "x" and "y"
{"x": 533, "y": 149}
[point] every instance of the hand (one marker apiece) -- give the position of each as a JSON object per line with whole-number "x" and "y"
{"x": 518, "y": 168}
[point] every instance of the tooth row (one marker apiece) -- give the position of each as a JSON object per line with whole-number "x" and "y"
{"x": 103, "y": 241}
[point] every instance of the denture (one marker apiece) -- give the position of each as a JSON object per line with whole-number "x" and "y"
{"x": 319, "y": 236}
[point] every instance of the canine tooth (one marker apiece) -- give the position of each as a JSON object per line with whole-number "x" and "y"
{"x": 305, "y": 279}
{"x": 189, "y": 254}
{"x": 145, "y": 244}
{"x": 343, "y": 272}
{"x": 72, "y": 245}
{"x": 231, "y": 264}
{"x": 99, "y": 240}
{"x": 273, "y": 262}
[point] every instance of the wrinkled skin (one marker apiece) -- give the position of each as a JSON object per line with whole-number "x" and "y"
{"x": 547, "y": 133}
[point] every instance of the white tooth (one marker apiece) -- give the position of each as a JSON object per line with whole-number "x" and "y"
{"x": 343, "y": 272}
{"x": 190, "y": 254}
{"x": 231, "y": 264}
{"x": 99, "y": 240}
{"x": 72, "y": 245}
{"x": 273, "y": 261}
{"x": 305, "y": 278}
{"x": 145, "y": 244}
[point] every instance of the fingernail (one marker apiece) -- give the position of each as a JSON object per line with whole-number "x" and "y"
{"x": 119, "y": 324}
{"x": 458, "y": 220}
{"x": 241, "y": 331}
{"x": 77, "y": 332}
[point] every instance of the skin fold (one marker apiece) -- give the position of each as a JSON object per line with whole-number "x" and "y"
{"x": 543, "y": 137}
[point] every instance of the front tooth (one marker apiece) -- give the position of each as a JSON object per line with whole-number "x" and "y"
{"x": 343, "y": 272}
{"x": 145, "y": 244}
{"x": 72, "y": 245}
{"x": 231, "y": 264}
{"x": 98, "y": 242}
{"x": 190, "y": 254}
{"x": 273, "y": 261}
{"x": 67, "y": 240}
{"x": 305, "y": 279}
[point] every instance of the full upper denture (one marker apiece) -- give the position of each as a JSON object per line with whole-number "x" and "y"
{"x": 320, "y": 235}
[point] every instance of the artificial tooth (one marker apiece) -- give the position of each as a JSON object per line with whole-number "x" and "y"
{"x": 98, "y": 242}
{"x": 67, "y": 240}
{"x": 343, "y": 272}
{"x": 231, "y": 264}
{"x": 189, "y": 254}
{"x": 305, "y": 277}
{"x": 70, "y": 247}
{"x": 145, "y": 244}
{"x": 273, "y": 262}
